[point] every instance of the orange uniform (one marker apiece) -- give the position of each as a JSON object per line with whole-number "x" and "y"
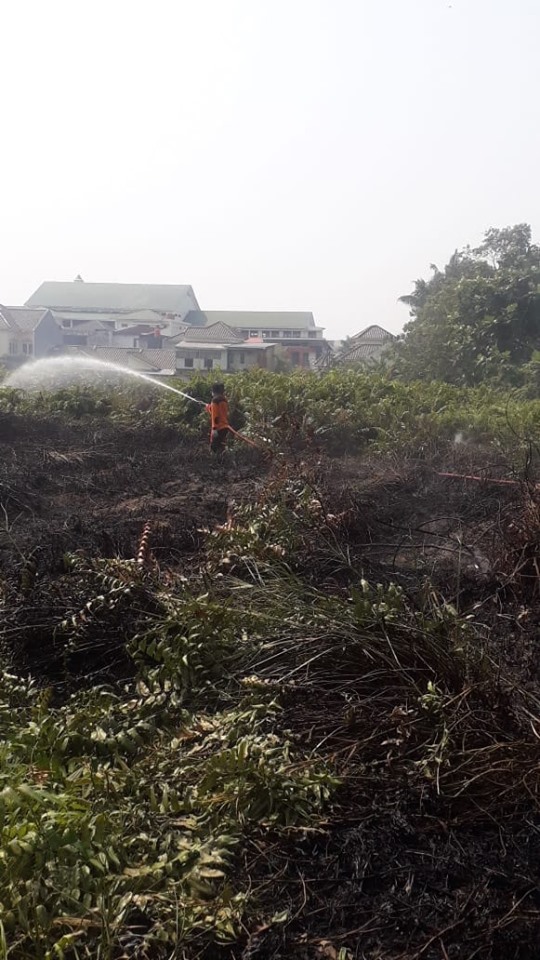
{"x": 219, "y": 413}
{"x": 218, "y": 409}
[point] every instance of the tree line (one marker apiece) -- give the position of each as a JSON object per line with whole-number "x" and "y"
{"x": 477, "y": 319}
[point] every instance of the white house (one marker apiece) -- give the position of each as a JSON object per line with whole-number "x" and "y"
{"x": 90, "y": 333}
{"x": 295, "y": 331}
{"x": 26, "y": 332}
{"x": 219, "y": 347}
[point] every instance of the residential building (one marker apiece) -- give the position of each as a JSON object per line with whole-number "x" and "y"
{"x": 174, "y": 300}
{"x": 145, "y": 335}
{"x": 302, "y": 341}
{"x": 71, "y": 319}
{"x": 219, "y": 347}
{"x": 188, "y": 356}
{"x": 88, "y": 333}
{"x": 366, "y": 347}
{"x": 155, "y": 363}
{"x": 26, "y": 333}
{"x": 151, "y": 316}
{"x": 116, "y": 306}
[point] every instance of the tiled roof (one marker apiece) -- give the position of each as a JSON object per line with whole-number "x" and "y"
{"x": 373, "y": 334}
{"x": 178, "y": 337}
{"x": 122, "y": 357}
{"x": 147, "y": 361}
{"x": 139, "y": 329}
{"x": 214, "y": 333}
{"x": 87, "y": 326}
{"x": 23, "y": 319}
{"x": 144, "y": 316}
{"x": 362, "y": 351}
{"x": 161, "y": 359}
{"x": 255, "y": 319}
{"x": 122, "y": 297}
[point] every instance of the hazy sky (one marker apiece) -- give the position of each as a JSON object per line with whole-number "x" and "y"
{"x": 275, "y": 154}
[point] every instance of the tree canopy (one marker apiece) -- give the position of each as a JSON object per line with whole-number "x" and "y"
{"x": 479, "y": 317}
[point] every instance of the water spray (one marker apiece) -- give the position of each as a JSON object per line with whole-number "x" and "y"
{"x": 33, "y": 376}
{"x": 29, "y": 376}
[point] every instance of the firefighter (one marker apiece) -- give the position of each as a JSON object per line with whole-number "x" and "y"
{"x": 218, "y": 408}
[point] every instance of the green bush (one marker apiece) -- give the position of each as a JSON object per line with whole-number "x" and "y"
{"x": 340, "y": 411}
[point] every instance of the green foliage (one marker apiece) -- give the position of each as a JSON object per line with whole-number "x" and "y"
{"x": 108, "y": 804}
{"x": 126, "y": 812}
{"x": 193, "y": 644}
{"x": 479, "y": 318}
{"x": 121, "y": 812}
{"x": 342, "y": 411}
{"x": 281, "y": 527}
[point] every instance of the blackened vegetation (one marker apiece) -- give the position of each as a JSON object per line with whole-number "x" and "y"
{"x": 420, "y": 695}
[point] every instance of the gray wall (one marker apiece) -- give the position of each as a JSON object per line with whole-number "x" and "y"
{"x": 47, "y": 335}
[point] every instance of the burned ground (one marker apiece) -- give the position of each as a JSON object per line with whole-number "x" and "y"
{"x": 431, "y": 847}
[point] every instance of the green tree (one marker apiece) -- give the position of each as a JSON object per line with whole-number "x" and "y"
{"x": 479, "y": 317}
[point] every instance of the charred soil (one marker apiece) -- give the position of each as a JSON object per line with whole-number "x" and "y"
{"x": 430, "y": 847}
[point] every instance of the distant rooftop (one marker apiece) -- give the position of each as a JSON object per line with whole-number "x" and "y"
{"x": 361, "y": 352}
{"x": 255, "y": 319}
{"x": 21, "y": 319}
{"x": 116, "y": 297}
{"x": 85, "y": 326}
{"x": 373, "y": 334}
{"x": 366, "y": 346}
{"x": 145, "y": 361}
{"x": 144, "y": 316}
{"x": 137, "y": 330}
{"x": 213, "y": 333}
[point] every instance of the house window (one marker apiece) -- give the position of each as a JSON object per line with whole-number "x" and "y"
{"x": 208, "y": 364}
{"x": 13, "y": 346}
{"x": 124, "y": 324}
{"x": 295, "y": 357}
{"x": 266, "y": 334}
{"x": 312, "y": 333}
{"x": 305, "y": 359}
{"x": 287, "y": 333}
{"x": 27, "y": 348}
{"x": 242, "y": 358}
{"x": 275, "y": 333}
{"x": 254, "y": 333}
{"x": 188, "y": 362}
{"x": 296, "y": 333}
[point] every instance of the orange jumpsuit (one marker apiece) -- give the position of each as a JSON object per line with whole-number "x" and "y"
{"x": 219, "y": 418}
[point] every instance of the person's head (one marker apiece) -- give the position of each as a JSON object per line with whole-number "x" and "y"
{"x": 218, "y": 389}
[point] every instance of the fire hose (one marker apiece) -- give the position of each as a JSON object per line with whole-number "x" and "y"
{"x": 465, "y": 476}
{"x": 240, "y": 436}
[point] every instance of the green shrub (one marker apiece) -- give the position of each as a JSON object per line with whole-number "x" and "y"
{"x": 340, "y": 411}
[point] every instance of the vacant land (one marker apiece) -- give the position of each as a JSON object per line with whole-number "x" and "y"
{"x": 278, "y": 707}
